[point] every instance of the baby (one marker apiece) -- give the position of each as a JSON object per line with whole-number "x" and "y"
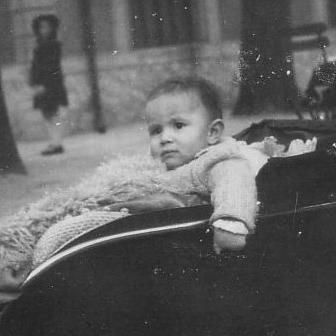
{"x": 185, "y": 126}
{"x": 184, "y": 117}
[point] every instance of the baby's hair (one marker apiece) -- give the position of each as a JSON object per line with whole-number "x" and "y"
{"x": 206, "y": 91}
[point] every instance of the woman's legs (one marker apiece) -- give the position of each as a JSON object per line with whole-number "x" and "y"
{"x": 54, "y": 126}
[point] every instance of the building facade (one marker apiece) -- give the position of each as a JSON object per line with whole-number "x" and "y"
{"x": 138, "y": 43}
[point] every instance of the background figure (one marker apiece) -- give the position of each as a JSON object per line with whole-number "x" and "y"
{"x": 46, "y": 78}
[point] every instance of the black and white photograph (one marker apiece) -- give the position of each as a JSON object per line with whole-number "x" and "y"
{"x": 168, "y": 167}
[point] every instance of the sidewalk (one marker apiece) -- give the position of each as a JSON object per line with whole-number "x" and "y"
{"x": 83, "y": 154}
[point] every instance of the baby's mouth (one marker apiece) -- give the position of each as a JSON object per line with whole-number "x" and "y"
{"x": 168, "y": 153}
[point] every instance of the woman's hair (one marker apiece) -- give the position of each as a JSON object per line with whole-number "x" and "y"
{"x": 51, "y": 19}
{"x": 207, "y": 92}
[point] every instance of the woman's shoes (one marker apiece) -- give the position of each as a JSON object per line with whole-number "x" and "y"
{"x": 52, "y": 149}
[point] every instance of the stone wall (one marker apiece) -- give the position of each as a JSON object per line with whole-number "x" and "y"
{"x": 124, "y": 80}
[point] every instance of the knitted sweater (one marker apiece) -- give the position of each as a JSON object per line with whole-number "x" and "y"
{"x": 225, "y": 172}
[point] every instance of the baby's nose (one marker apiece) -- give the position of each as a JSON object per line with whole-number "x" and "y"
{"x": 166, "y": 136}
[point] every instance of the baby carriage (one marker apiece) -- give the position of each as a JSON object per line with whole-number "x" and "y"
{"x": 157, "y": 274}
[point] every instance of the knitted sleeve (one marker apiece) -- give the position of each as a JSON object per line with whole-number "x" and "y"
{"x": 223, "y": 172}
{"x": 233, "y": 192}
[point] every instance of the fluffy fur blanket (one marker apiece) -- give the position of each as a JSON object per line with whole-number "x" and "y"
{"x": 116, "y": 184}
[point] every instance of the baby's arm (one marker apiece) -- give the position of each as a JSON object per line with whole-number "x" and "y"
{"x": 234, "y": 197}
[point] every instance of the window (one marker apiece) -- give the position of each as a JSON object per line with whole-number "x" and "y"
{"x": 161, "y": 22}
{"x": 332, "y": 12}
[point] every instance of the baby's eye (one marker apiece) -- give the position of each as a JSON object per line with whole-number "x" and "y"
{"x": 155, "y": 131}
{"x": 179, "y": 125}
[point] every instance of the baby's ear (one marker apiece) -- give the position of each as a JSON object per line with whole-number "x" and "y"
{"x": 215, "y": 132}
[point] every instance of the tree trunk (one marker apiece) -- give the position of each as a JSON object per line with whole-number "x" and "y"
{"x": 266, "y": 64}
{"x": 10, "y": 161}
{"x": 89, "y": 47}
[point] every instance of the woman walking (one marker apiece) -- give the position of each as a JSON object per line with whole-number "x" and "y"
{"x": 46, "y": 78}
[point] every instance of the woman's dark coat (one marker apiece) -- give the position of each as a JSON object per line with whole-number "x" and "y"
{"x": 46, "y": 71}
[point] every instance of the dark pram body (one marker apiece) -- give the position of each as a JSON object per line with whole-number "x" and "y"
{"x": 157, "y": 274}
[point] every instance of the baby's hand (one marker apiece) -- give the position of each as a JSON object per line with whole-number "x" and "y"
{"x": 229, "y": 235}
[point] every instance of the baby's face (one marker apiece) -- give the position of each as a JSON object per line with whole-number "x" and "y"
{"x": 178, "y": 127}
